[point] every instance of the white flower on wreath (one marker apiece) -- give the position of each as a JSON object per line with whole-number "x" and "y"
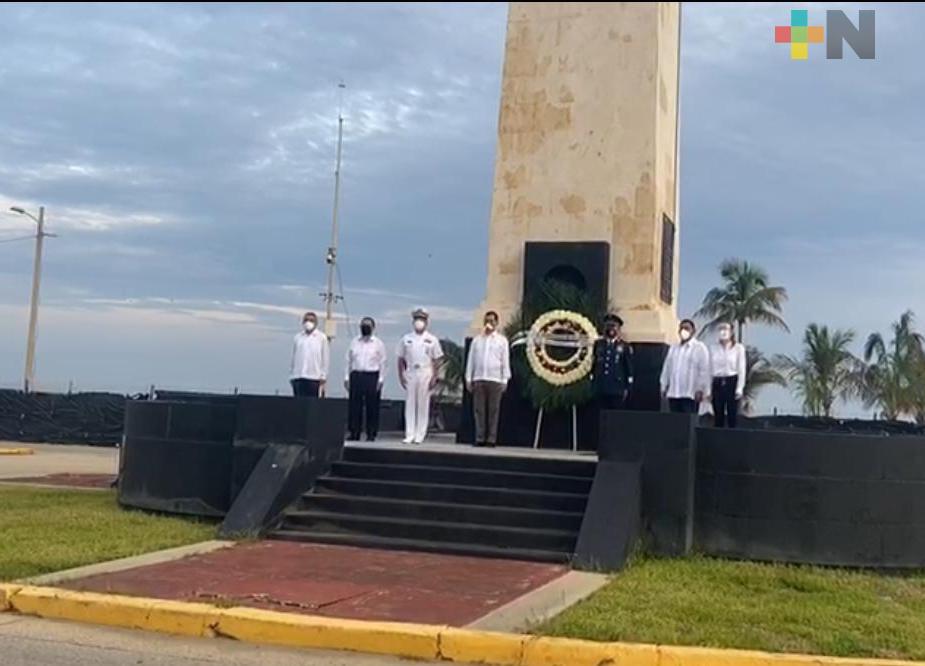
{"x": 564, "y": 372}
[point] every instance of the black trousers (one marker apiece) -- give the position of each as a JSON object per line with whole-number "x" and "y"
{"x": 305, "y": 387}
{"x": 725, "y": 405}
{"x": 682, "y": 405}
{"x": 364, "y": 397}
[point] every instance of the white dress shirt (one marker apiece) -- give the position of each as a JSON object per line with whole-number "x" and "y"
{"x": 420, "y": 350}
{"x": 310, "y": 356}
{"x": 686, "y": 370}
{"x": 729, "y": 362}
{"x": 366, "y": 355}
{"x": 489, "y": 359}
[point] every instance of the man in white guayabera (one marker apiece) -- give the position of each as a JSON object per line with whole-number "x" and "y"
{"x": 686, "y": 373}
{"x": 488, "y": 370}
{"x": 310, "y": 359}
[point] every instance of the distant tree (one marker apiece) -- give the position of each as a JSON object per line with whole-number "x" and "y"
{"x": 918, "y": 390}
{"x": 452, "y": 371}
{"x": 892, "y": 378}
{"x": 760, "y": 372}
{"x": 745, "y": 297}
{"x": 825, "y": 371}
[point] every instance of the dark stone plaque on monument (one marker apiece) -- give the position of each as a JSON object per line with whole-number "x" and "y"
{"x": 667, "y": 287}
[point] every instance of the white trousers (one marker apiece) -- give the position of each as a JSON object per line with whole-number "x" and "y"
{"x": 417, "y": 404}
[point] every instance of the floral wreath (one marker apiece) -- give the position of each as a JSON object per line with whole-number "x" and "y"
{"x": 561, "y": 329}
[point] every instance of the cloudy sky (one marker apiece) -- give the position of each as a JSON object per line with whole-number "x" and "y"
{"x": 185, "y": 156}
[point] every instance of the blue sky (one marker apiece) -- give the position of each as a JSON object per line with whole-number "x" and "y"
{"x": 185, "y": 156}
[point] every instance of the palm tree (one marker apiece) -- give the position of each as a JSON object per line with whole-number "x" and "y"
{"x": 892, "y": 380}
{"x": 452, "y": 371}
{"x": 825, "y": 371}
{"x": 745, "y": 297}
{"x": 760, "y": 372}
{"x": 917, "y": 375}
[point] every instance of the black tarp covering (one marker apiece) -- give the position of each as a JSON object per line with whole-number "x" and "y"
{"x": 78, "y": 418}
{"x": 823, "y": 424}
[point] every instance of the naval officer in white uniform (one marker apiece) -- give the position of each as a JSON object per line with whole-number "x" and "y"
{"x": 419, "y": 355}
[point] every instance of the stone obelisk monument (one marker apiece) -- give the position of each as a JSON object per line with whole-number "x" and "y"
{"x": 588, "y": 151}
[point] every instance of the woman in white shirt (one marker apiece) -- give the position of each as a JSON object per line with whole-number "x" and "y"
{"x": 728, "y": 368}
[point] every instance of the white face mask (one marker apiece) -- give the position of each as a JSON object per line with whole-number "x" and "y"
{"x": 489, "y": 327}
{"x": 685, "y": 334}
{"x": 309, "y": 326}
{"x": 419, "y": 325}
{"x": 725, "y": 334}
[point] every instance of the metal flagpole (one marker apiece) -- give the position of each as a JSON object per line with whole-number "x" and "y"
{"x": 539, "y": 428}
{"x": 330, "y": 326}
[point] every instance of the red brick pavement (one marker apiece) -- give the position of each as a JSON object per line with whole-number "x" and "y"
{"x": 68, "y": 480}
{"x": 336, "y": 581}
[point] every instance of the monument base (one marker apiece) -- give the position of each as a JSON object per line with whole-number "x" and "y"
{"x": 518, "y": 419}
{"x": 648, "y": 358}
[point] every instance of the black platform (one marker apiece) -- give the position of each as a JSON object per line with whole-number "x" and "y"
{"x": 197, "y": 454}
{"x": 279, "y": 464}
{"x": 820, "y": 498}
{"x": 463, "y": 502}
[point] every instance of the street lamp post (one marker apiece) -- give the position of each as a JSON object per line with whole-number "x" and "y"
{"x": 29, "y": 375}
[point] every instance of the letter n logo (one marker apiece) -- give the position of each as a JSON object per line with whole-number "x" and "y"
{"x": 840, "y": 29}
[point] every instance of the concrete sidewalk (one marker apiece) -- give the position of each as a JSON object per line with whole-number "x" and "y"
{"x": 58, "y": 459}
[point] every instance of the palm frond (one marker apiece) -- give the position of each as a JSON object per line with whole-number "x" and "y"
{"x": 744, "y": 297}
{"x": 452, "y": 370}
{"x": 826, "y": 371}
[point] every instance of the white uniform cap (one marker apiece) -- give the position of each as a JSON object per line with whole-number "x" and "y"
{"x": 419, "y": 313}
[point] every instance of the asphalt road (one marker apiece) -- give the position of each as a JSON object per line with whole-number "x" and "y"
{"x": 33, "y": 642}
{"x": 58, "y": 459}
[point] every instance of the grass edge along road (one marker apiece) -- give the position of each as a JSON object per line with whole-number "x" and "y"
{"x": 45, "y": 530}
{"x": 708, "y": 602}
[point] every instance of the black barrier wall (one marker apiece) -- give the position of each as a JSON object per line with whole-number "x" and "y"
{"x": 266, "y": 420}
{"x": 281, "y": 447}
{"x": 177, "y": 457}
{"x": 196, "y": 457}
{"x": 663, "y": 447}
{"x": 831, "y": 499}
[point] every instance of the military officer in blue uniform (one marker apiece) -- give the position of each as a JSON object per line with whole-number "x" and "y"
{"x": 613, "y": 366}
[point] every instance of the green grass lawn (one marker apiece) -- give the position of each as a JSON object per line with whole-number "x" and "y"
{"x": 49, "y": 530}
{"x": 715, "y": 603}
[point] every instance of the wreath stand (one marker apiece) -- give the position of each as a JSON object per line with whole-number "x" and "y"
{"x": 539, "y": 428}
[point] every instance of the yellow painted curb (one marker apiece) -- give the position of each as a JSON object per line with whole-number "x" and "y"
{"x": 274, "y": 628}
{"x": 416, "y": 641}
{"x": 6, "y": 592}
{"x": 173, "y": 617}
{"x": 482, "y": 647}
{"x": 16, "y": 452}
{"x": 547, "y": 651}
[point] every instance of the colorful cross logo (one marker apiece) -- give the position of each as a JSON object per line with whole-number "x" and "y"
{"x": 799, "y": 34}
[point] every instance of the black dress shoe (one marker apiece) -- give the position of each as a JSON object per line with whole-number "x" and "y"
{"x": 370, "y": 438}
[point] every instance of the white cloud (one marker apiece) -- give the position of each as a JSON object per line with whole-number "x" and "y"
{"x": 76, "y": 218}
